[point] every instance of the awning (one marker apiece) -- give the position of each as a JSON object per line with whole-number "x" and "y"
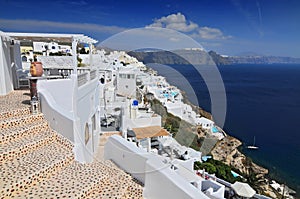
{"x": 149, "y": 132}
{"x": 243, "y": 189}
{"x": 48, "y": 37}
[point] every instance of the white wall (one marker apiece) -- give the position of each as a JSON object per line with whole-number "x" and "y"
{"x": 69, "y": 110}
{"x": 57, "y": 104}
{"x": 142, "y": 122}
{"x": 168, "y": 184}
{"x": 127, "y": 156}
{"x": 88, "y": 105}
{"x": 204, "y": 122}
{"x": 126, "y": 86}
{"x": 159, "y": 179}
{"x": 17, "y": 66}
{"x": 39, "y": 46}
{"x": 218, "y": 189}
{"x": 6, "y": 78}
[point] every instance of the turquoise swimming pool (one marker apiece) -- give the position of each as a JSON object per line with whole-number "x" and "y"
{"x": 214, "y": 129}
{"x": 166, "y": 95}
{"x": 205, "y": 158}
{"x": 173, "y": 93}
{"x": 235, "y": 174}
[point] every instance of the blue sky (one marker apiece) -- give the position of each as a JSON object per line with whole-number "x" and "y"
{"x": 268, "y": 27}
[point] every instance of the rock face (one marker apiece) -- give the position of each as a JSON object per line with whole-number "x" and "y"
{"x": 178, "y": 57}
{"x": 251, "y": 59}
{"x": 227, "y": 152}
{"x": 218, "y": 59}
{"x": 201, "y": 57}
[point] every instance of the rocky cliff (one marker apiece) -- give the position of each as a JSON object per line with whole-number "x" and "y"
{"x": 178, "y": 57}
{"x": 251, "y": 59}
{"x": 227, "y": 151}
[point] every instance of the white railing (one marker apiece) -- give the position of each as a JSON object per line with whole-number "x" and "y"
{"x": 85, "y": 76}
{"x": 93, "y": 74}
{"x": 82, "y": 78}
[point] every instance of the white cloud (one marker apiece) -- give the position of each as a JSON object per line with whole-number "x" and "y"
{"x": 179, "y": 22}
{"x": 211, "y": 33}
{"x": 176, "y": 22}
{"x": 37, "y": 25}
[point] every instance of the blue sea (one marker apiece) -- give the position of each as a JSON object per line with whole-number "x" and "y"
{"x": 263, "y": 101}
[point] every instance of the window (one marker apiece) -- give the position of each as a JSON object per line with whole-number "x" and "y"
{"x": 94, "y": 122}
{"x": 123, "y": 76}
{"x": 86, "y": 134}
{"x": 53, "y": 47}
{"x": 24, "y": 58}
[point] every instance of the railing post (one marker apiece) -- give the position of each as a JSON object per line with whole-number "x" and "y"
{"x": 74, "y": 52}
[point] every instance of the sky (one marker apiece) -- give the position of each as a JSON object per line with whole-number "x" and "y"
{"x": 229, "y": 27}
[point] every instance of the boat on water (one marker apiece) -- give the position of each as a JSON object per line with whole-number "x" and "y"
{"x": 252, "y": 146}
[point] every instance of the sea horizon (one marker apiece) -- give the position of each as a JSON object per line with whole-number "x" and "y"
{"x": 262, "y": 101}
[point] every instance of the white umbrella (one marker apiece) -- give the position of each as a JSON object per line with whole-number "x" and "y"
{"x": 243, "y": 189}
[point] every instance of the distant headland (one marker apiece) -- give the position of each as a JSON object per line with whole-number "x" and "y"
{"x": 201, "y": 57}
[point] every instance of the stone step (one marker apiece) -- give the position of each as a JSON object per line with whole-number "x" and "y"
{"x": 114, "y": 187}
{"x": 15, "y": 104}
{"x": 22, "y": 172}
{"x": 25, "y": 144}
{"x": 117, "y": 186}
{"x": 14, "y": 113}
{"x": 15, "y": 132}
{"x": 20, "y": 121}
{"x": 134, "y": 191}
{"x": 76, "y": 181}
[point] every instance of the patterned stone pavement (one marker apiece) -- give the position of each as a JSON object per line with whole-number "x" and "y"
{"x": 37, "y": 162}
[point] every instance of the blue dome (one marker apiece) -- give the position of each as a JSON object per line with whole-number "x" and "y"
{"x": 135, "y": 103}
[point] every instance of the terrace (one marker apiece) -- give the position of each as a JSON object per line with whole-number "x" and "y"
{"x": 66, "y": 90}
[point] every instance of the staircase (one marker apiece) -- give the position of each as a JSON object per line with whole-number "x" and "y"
{"x": 37, "y": 162}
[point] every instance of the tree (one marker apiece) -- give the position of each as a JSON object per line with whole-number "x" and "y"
{"x": 79, "y": 60}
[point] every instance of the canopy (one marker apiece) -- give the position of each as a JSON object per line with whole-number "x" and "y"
{"x": 243, "y": 189}
{"x": 150, "y": 132}
{"x": 47, "y": 37}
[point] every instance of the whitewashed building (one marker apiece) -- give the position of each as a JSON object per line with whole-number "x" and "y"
{"x": 126, "y": 83}
{"x": 71, "y": 104}
{"x": 205, "y": 123}
{"x": 50, "y": 47}
{"x": 10, "y": 63}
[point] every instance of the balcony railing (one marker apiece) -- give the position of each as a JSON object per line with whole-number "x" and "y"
{"x": 93, "y": 74}
{"x": 86, "y": 75}
{"x": 82, "y": 78}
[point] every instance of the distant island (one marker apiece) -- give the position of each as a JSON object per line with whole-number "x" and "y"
{"x": 201, "y": 57}
{"x": 251, "y": 59}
